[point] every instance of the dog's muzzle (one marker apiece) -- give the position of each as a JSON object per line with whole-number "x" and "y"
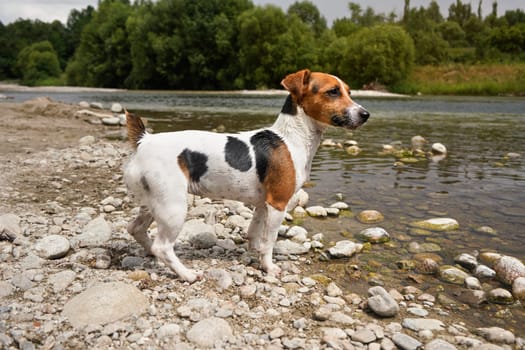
{"x": 352, "y": 118}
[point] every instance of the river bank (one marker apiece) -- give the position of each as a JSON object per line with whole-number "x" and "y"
{"x": 61, "y": 178}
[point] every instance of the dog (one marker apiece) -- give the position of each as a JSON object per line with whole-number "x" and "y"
{"x": 263, "y": 168}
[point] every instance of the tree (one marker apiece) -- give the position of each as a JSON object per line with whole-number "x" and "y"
{"x": 310, "y": 15}
{"x": 38, "y": 62}
{"x": 382, "y": 53}
{"x": 102, "y": 58}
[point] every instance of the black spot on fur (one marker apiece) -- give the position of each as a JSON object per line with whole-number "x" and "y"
{"x": 237, "y": 154}
{"x": 145, "y": 183}
{"x": 263, "y": 143}
{"x": 289, "y": 107}
{"x": 195, "y": 162}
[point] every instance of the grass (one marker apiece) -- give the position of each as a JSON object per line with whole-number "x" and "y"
{"x": 458, "y": 79}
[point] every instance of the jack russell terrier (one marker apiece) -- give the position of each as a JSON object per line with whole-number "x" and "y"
{"x": 263, "y": 167}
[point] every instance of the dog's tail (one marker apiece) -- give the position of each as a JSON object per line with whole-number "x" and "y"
{"x": 136, "y": 129}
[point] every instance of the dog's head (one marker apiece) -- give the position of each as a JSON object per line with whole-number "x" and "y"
{"x": 325, "y": 98}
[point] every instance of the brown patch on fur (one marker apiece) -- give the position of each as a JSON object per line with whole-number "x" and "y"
{"x": 310, "y": 90}
{"x": 136, "y": 128}
{"x": 280, "y": 178}
{"x": 183, "y": 166}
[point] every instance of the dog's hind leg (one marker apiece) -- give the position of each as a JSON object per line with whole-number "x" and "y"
{"x": 170, "y": 220}
{"x": 138, "y": 228}
{"x": 262, "y": 234}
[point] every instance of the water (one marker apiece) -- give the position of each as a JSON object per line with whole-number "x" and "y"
{"x": 474, "y": 184}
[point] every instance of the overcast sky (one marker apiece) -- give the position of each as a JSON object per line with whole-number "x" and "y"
{"x": 49, "y": 10}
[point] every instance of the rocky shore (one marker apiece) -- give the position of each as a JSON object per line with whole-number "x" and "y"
{"x": 72, "y": 278}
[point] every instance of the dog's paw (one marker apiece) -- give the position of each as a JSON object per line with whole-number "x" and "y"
{"x": 192, "y": 276}
{"x": 272, "y": 270}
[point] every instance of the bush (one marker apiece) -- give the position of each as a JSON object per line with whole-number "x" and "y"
{"x": 382, "y": 54}
{"x": 38, "y": 62}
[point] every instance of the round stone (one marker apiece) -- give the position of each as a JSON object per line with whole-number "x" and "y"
{"x": 508, "y": 269}
{"x": 437, "y": 224}
{"x": 370, "y": 217}
{"x": 374, "y": 235}
{"x": 452, "y": 274}
{"x": 52, "y": 247}
{"x": 439, "y": 148}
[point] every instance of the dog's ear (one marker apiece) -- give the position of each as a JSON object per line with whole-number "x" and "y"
{"x": 295, "y": 82}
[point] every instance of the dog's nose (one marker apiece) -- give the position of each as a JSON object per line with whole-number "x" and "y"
{"x": 363, "y": 113}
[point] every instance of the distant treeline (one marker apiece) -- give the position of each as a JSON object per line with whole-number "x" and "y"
{"x": 232, "y": 44}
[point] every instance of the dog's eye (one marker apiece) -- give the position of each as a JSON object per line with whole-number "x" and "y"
{"x": 335, "y": 92}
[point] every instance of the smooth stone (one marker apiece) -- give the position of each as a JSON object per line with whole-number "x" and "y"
{"x": 489, "y": 258}
{"x": 466, "y": 260}
{"x": 332, "y": 211}
{"x": 439, "y": 344}
{"x": 333, "y": 290}
{"x": 496, "y": 335}
{"x": 437, "y": 224}
{"x": 6, "y": 289}
{"x": 483, "y": 271}
{"x": 52, "y": 247}
{"x": 221, "y": 277}
{"x": 381, "y": 302}
{"x": 204, "y": 240}
{"x": 105, "y": 303}
{"x": 345, "y": 249}
{"x": 96, "y": 105}
{"x": 169, "y": 330}
{"x": 207, "y": 332}
{"x": 418, "y": 142}
{"x": 427, "y": 266}
{"x": 95, "y": 233}
{"x": 374, "y": 235}
{"x": 500, "y": 296}
{"x": 87, "y": 140}
{"x": 340, "y": 205}
{"x": 472, "y": 283}
{"x": 438, "y": 148}
{"x": 363, "y": 336}
{"x": 193, "y": 227}
{"x": 116, "y": 108}
{"x": 353, "y": 150}
{"x": 299, "y": 212}
{"x": 508, "y": 269}
{"x": 518, "y": 289}
{"x": 61, "y": 280}
{"x": 370, "y": 216}
{"x": 300, "y": 198}
{"x": 111, "y": 121}
{"x": 317, "y": 211}
{"x": 406, "y": 342}
{"x": 131, "y": 262}
{"x": 487, "y": 230}
{"x": 419, "y": 324}
{"x": 452, "y": 274}
{"x": 417, "y": 311}
{"x": 287, "y": 247}
{"x": 472, "y": 297}
{"x": 9, "y": 227}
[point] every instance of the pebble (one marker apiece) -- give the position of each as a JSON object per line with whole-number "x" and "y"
{"x": 381, "y": 302}
{"x": 500, "y": 296}
{"x": 437, "y": 224}
{"x": 52, "y": 247}
{"x": 206, "y": 333}
{"x": 406, "y": 342}
{"x": 374, "y": 235}
{"x": 317, "y": 211}
{"x": 452, "y": 274}
{"x": 9, "y": 227}
{"x": 518, "y": 289}
{"x": 95, "y": 233}
{"x": 345, "y": 249}
{"x": 439, "y": 344}
{"x": 286, "y": 247}
{"x": 370, "y": 216}
{"x": 467, "y": 261}
{"x": 340, "y": 206}
{"x": 438, "y": 148}
{"x": 364, "y": 336}
{"x": 419, "y": 324}
{"x": 496, "y": 335}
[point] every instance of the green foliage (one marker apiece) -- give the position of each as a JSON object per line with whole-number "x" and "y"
{"x": 38, "y": 62}
{"x": 232, "y": 44}
{"x": 383, "y": 54}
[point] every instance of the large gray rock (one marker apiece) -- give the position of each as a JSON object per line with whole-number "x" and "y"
{"x": 419, "y": 324}
{"x": 193, "y": 228}
{"x": 406, "y": 342}
{"x": 52, "y": 247}
{"x": 206, "y": 333}
{"x": 105, "y": 303}
{"x": 95, "y": 233}
{"x": 381, "y": 302}
{"x": 496, "y": 335}
{"x": 509, "y": 268}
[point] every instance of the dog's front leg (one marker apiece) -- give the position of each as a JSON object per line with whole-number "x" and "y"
{"x": 262, "y": 235}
